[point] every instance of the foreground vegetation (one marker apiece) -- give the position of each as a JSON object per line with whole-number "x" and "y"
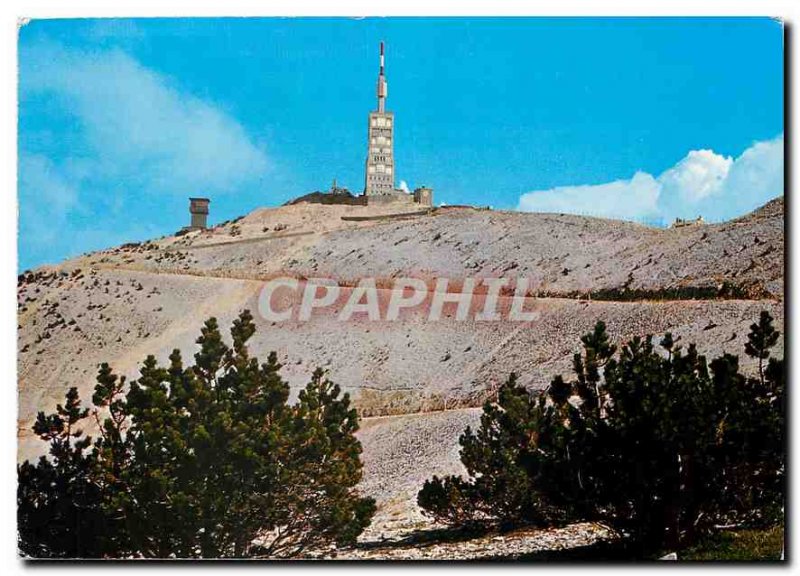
{"x": 208, "y": 461}
{"x": 744, "y": 545}
{"x": 653, "y": 440}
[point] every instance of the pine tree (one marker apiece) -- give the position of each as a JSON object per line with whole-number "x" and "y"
{"x": 58, "y": 506}
{"x": 659, "y": 443}
{"x": 204, "y": 461}
{"x": 318, "y": 494}
{"x": 761, "y": 338}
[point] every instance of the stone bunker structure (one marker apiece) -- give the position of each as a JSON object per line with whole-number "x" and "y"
{"x": 681, "y": 222}
{"x": 198, "y": 208}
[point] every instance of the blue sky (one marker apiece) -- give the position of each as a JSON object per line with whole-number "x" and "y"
{"x": 120, "y": 121}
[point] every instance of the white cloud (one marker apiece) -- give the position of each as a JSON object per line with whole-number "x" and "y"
{"x": 702, "y": 183}
{"x": 404, "y": 187}
{"x": 619, "y": 199}
{"x": 700, "y": 174}
{"x": 123, "y": 139}
{"x": 56, "y": 196}
{"x": 139, "y": 125}
{"x": 53, "y": 220}
{"x": 755, "y": 177}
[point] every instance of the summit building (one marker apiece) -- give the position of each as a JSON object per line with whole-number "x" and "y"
{"x": 380, "y": 171}
{"x": 380, "y": 153}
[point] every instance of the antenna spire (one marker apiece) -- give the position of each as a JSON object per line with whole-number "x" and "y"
{"x": 383, "y": 87}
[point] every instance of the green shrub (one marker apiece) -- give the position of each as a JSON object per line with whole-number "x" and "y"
{"x": 202, "y": 461}
{"x": 746, "y": 545}
{"x": 651, "y": 439}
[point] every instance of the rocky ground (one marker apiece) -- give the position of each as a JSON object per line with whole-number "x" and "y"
{"x": 438, "y": 545}
{"x": 419, "y": 381}
{"x": 561, "y": 254}
{"x": 400, "y": 453}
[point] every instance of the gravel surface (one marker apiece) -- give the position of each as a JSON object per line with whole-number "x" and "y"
{"x": 560, "y": 254}
{"x": 121, "y": 304}
{"x": 400, "y": 453}
{"x": 509, "y": 546}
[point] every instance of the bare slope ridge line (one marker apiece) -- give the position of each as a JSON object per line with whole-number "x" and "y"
{"x": 121, "y": 304}
{"x": 561, "y": 255}
{"x": 114, "y": 304}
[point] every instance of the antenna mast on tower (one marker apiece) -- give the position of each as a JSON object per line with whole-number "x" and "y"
{"x": 383, "y": 87}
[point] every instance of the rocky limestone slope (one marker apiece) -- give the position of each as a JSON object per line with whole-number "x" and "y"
{"x": 120, "y": 304}
{"x": 563, "y": 255}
